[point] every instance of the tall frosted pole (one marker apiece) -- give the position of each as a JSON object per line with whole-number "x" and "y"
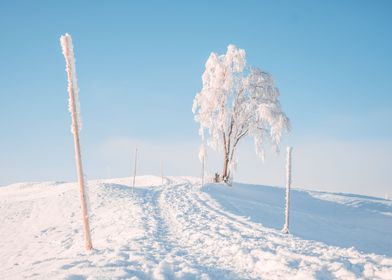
{"x": 134, "y": 171}
{"x": 288, "y": 185}
{"x": 74, "y": 108}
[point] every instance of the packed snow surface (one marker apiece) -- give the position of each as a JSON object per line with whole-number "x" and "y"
{"x": 178, "y": 230}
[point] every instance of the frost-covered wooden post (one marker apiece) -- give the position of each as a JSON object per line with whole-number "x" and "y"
{"x": 288, "y": 185}
{"x": 74, "y": 108}
{"x": 202, "y": 158}
{"x": 162, "y": 171}
{"x": 134, "y": 171}
{"x": 202, "y": 171}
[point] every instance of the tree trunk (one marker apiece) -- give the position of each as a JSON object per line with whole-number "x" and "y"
{"x": 226, "y": 172}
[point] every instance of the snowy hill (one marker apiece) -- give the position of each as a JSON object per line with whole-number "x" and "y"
{"x": 345, "y": 220}
{"x": 179, "y": 231}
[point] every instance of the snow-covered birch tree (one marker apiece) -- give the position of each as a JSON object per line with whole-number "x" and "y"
{"x": 237, "y": 101}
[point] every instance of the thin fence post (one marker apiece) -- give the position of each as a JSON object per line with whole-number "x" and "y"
{"x": 202, "y": 171}
{"x": 288, "y": 186}
{"x": 162, "y": 171}
{"x": 134, "y": 171}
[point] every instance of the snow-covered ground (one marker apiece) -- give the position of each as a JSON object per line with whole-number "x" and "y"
{"x": 177, "y": 230}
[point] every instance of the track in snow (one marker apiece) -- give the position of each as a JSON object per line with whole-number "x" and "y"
{"x": 169, "y": 231}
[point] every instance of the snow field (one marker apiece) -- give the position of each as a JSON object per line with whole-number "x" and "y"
{"x": 170, "y": 231}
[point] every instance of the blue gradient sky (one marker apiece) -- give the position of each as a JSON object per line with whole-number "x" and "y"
{"x": 139, "y": 67}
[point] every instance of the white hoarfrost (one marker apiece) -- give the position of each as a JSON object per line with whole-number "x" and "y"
{"x": 238, "y": 100}
{"x": 179, "y": 231}
{"x": 202, "y": 158}
{"x": 68, "y": 52}
{"x": 74, "y": 108}
{"x": 202, "y": 152}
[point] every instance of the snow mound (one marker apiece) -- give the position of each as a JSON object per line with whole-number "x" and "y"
{"x": 176, "y": 230}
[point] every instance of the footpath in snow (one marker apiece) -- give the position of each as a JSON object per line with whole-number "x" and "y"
{"x": 177, "y": 230}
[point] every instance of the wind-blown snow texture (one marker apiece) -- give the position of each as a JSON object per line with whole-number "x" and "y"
{"x": 179, "y": 231}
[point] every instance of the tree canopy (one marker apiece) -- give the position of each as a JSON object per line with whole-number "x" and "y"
{"x": 237, "y": 100}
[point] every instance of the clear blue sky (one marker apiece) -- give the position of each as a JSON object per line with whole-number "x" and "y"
{"x": 139, "y": 67}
